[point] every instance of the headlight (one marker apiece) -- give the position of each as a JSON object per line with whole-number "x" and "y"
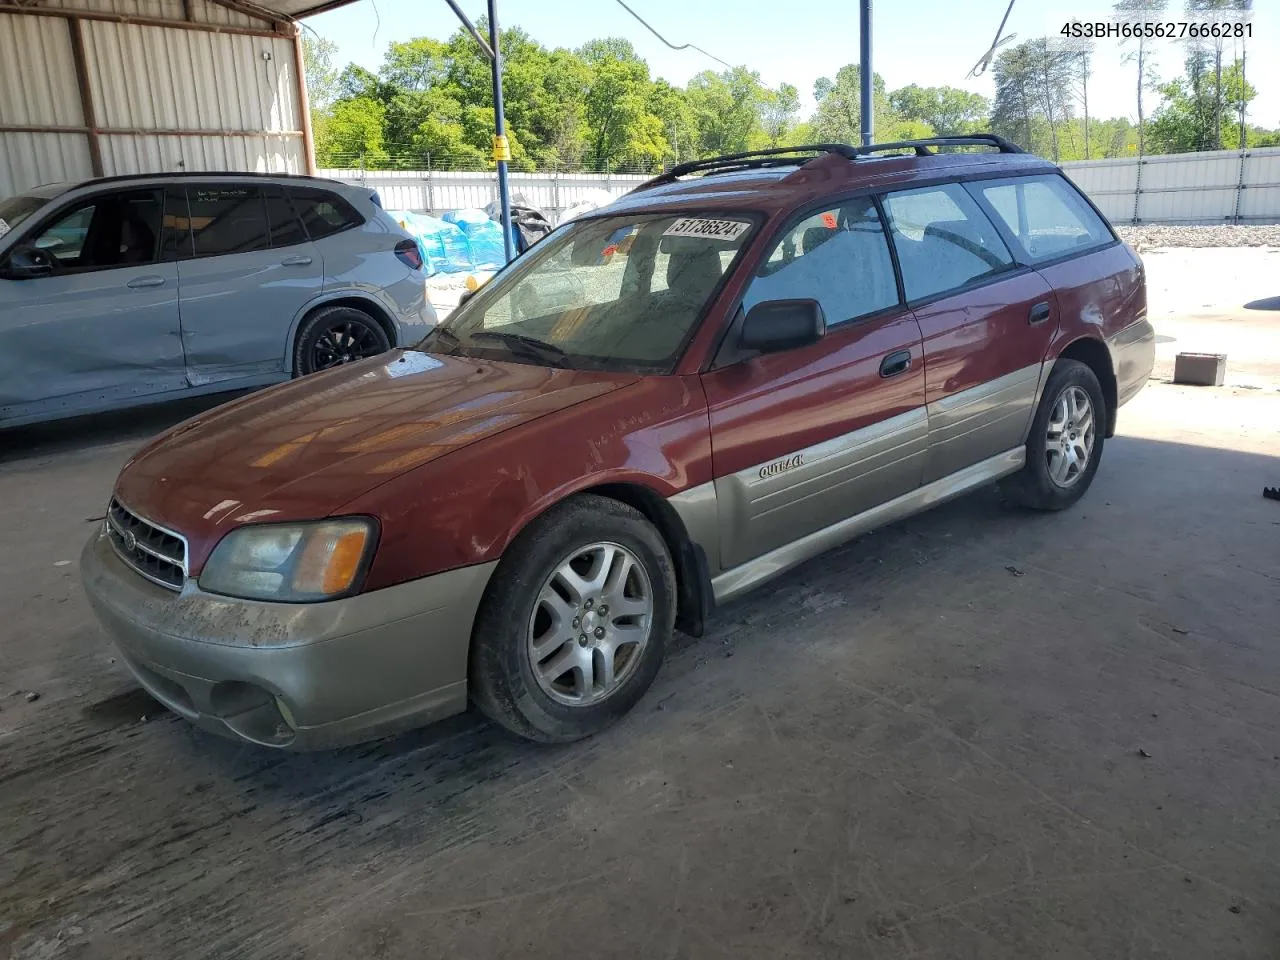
{"x": 291, "y": 563}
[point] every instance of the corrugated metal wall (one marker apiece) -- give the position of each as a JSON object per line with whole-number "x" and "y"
{"x": 1218, "y": 186}
{"x": 45, "y": 96}
{"x": 163, "y": 98}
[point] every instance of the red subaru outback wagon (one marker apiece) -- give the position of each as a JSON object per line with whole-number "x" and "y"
{"x": 744, "y": 362}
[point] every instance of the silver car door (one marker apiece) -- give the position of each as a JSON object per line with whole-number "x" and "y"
{"x": 100, "y": 324}
{"x": 239, "y": 291}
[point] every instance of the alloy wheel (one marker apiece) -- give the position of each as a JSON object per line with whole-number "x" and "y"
{"x": 590, "y": 624}
{"x": 1070, "y": 437}
{"x": 344, "y": 343}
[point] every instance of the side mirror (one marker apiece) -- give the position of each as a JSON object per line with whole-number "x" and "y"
{"x": 783, "y": 325}
{"x": 26, "y": 262}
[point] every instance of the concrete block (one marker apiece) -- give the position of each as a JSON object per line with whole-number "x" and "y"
{"x": 1200, "y": 369}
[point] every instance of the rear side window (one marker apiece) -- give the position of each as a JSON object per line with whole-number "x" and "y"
{"x": 839, "y": 257}
{"x": 324, "y": 213}
{"x": 944, "y": 240}
{"x": 1046, "y": 215}
{"x": 227, "y": 218}
{"x": 283, "y": 223}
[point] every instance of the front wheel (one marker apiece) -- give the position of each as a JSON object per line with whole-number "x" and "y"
{"x": 333, "y": 336}
{"x": 572, "y": 630}
{"x": 1065, "y": 443}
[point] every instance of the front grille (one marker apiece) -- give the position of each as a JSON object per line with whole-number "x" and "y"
{"x": 155, "y": 553}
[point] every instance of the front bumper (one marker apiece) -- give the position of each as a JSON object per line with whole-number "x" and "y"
{"x": 295, "y": 676}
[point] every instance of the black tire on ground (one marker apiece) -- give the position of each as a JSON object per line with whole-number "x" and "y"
{"x": 1033, "y": 486}
{"x": 502, "y": 680}
{"x": 335, "y": 335}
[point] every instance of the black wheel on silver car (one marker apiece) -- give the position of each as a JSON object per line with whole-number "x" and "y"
{"x": 336, "y": 335}
{"x": 575, "y": 621}
{"x": 1065, "y": 443}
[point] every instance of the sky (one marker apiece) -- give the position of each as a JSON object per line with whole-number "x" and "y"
{"x": 928, "y": 42}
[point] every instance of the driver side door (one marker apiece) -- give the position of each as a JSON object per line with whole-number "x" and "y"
{"x": 101, "y": 326}
{"x": 804, "y": 438}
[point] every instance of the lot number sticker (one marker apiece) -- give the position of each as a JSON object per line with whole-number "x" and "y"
{"x": 707, "y": 229}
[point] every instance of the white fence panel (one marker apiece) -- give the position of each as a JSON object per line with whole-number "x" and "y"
{"x": 1217, "y": 186}
{"x": 426, "y": 191}
{"x": 1220, "y": 186}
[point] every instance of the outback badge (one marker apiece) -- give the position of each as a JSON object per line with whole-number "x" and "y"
{"x": 781, "y": 466}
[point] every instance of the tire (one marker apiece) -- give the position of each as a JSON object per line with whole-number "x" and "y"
{"x": 513, "y": 682}
{"x": 1040, "y": 485}
{"x": 336, "y": 335}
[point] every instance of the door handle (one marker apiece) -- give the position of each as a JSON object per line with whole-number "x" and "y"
{"x": 895, "y": 363}
{"x": 1039, "y": 314}
{"x": 148, "y": 281}
{"x": 296, "y": 261}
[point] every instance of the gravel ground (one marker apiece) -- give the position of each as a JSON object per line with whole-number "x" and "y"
{"x": 1215, "y": 235}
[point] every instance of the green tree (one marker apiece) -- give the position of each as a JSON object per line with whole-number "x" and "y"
{"x": 355, "y": 82}
{"x": 1184, "y": 121}
{"x": 949, "y": 111}
{"x": 1141, "y": 53}
{"x": 839, "y": 114}
{"x": 726, "y": 109}
{"x": 778, "y": 111}
{"x": 1033, "y": 95}
{"x": 671, "y": 106}
{"x": 418, "y": 64}
{"x": 321, "y": 74}
{"x": 622, "y": 131}
{"x": 352, "y": 135}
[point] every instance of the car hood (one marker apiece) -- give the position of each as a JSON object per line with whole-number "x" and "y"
{"x": 304, "y": 449}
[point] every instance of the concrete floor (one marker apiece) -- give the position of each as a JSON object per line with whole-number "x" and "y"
{"x": 979, "y": 733}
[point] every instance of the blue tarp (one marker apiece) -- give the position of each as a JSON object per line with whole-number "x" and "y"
{"x": 484, "y": 234}
{"x": 445, "y": 247}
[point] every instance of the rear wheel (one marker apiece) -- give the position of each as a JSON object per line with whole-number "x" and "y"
{"x": 572, "y": 630}
{"x": 1065, "y": 443}
{"x": 333, "y": 336}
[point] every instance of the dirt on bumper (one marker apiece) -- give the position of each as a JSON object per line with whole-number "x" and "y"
{"x": 296, "y": 676}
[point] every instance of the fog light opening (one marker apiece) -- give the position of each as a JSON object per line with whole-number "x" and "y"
{"x": 286, "y": 713}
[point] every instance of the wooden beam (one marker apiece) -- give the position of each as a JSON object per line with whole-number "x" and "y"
{"x": 280, "y": 23}
{"x": 304, "y": 105}
{"x": 76, "y": 32}
{"x": 11, "y": 8}
{"x": 143, "y": 131}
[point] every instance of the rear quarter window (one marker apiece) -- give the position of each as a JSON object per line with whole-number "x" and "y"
{"x": 1045, "y": 214}
{"x": 323, "y": 212}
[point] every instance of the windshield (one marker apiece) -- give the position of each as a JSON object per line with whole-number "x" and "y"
{"x": 613, "y": 293}
{"x": 13, "y": 210}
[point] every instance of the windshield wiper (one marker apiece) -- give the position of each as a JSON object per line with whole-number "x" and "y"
{"x": 530, "y": 347}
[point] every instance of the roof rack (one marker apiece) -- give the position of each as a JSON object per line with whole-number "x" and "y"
{"x": 923, "y": 147}
{"x": 751, "y": 160}
{"x": 791, "y": 156}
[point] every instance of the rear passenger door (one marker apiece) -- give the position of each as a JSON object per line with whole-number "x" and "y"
{"x": 804, "y": 438}
{"x": 246, "y": 267}
{"x": 986, "y": 320}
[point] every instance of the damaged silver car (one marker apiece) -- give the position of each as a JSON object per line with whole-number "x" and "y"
{"x": 131, "y": 290}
